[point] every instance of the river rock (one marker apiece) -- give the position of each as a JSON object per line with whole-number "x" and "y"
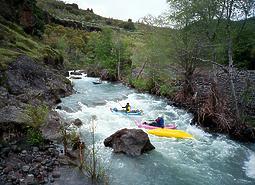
{"x": 51, "y": 129}
{"x": 76, "y": 73}
{"x": 24, "y": 76}
{"x": 3, "y": 96}
{"x": 30, "y": 179}
{"x": 35, "y": 149}
{"x": 77, "y": 122}
{"x": 25, "y": 168}
{"x": 7, "y": 169}
{"x": 56, "y": 174}
{"x": 133, "y": 142}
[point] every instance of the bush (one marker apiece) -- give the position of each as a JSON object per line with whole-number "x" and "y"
{"x": 35, "y": 116}
{"x": 142, "y": 84}
{"x": 34, "y": 136}
{"x": 91, "y": 163}
{"x": 128, "y": 25}
{"x": 167, "y": 90}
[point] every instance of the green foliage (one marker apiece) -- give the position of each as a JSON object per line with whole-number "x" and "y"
{"x": 35, "y": 116}
{"x": 61, "y": 10}
{"x": 211, "y": 21}
{"x": 91, "y": 164}
{"x": 34, "y": 136}
{"x": 39, "y": 16}
{"x": 151, "y": 56}
{"x": 15, "y": 42}
{"x": 244, "y": 46}
{"x": 106, "y": 50}
{"x": 130, "y": 26}
{"x": 69, "y": 137}
{"x": 167, "y": 90}
{"x": 71, "y": 44}
{"x": 142, "y": 84}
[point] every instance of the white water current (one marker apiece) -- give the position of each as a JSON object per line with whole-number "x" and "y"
{"x": 206, "y": 160}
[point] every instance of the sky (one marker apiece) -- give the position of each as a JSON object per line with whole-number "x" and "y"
{"x": 123, "y": 9}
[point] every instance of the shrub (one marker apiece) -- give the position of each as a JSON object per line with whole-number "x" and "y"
{"x": 35, "y": 117}
{"x": 91, "y": 163}
{"x": 128, "y": 25}
{"x": 34, "y": 136}
{"x": 167, "y": 90}
{"x": 143, "y": 84}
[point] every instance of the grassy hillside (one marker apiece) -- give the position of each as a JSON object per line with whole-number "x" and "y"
{"x": 64, "y": 11}
{"x": 15, "y": 42}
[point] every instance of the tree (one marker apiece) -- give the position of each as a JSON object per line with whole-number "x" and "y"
{"x": 151, "y": 55}
{"x": 121, "y": 53}
{"x": 208, "y": 16}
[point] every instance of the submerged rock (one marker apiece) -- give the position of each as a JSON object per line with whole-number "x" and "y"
{"x": 133, "y": 142}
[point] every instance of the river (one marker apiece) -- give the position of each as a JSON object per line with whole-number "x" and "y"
{"x": 206, "y": 160}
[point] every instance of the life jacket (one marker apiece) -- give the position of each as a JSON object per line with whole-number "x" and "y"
{"x": 128, "y": 108}
{"x": 160, "y": 121}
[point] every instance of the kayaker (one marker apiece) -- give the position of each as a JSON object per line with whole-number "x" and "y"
{"x": 159, "y": 122}
{"x": 127, "y": 107}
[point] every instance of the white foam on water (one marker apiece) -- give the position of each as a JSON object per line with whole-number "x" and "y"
{"x": 249, "y": 166}
{"x": 199, "y": 161}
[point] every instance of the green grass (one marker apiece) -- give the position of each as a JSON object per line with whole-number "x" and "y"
{"x": 14, "y": 42}
{"x": 60, "y": 10}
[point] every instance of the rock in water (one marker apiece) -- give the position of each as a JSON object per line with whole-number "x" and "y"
{"x": 133, "y": 142}
{"x": 77, "y": 122}
{"x": 76, "y": 73}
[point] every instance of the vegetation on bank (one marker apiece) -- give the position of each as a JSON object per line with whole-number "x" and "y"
{"x": 14, "y": 42}
{"x": 35, "y": 117}
{"x": 159, "y": 60}
{"x": 207, "y": 37}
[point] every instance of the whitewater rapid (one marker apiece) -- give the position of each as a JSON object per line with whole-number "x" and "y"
{"x": 209, "y": 159}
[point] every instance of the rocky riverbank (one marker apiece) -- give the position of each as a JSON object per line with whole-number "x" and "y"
{"x": 29, "y": 165}
{"x": 27, "y": 82}
{"x": 212, "y": 104}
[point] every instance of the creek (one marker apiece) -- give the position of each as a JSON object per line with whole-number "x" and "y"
{"x": 209, "y": 159}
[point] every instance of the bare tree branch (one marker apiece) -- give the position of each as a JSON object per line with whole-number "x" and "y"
{"x": 215, "y": 63}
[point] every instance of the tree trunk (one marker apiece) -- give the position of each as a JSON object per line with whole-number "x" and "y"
{"x": 231, "y": 78}
{"x": 140, "y": 72}
{"x": 230, "y": 4}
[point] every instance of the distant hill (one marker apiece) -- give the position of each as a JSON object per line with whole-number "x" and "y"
{"x": 61, "y": 10}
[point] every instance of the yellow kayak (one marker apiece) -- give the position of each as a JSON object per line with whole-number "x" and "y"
{"x": 164, "y": 132}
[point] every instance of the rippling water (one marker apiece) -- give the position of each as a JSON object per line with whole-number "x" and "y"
{"x": 209, "y": 159}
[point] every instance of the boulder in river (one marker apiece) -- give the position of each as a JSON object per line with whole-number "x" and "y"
{"x": 77, "y": 122}
{"x": 76, "y": 73}
{"x": 133, "y": 142}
